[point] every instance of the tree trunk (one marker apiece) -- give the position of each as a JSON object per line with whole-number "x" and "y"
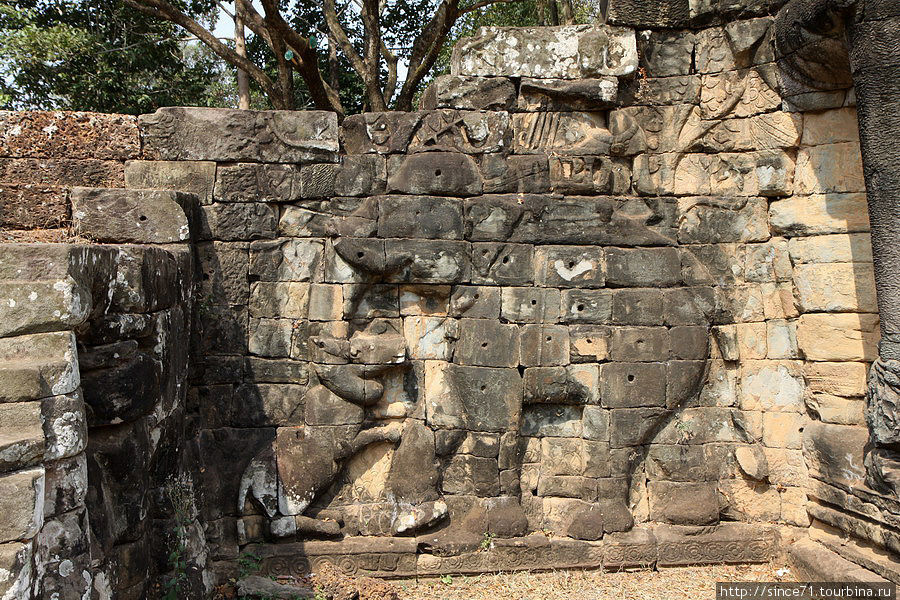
{"x": 240, "y": 46}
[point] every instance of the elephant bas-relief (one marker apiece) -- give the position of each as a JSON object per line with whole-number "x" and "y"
{"x": 499, "y": 409}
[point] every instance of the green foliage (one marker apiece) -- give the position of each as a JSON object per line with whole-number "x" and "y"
{"x": 487, "y": 542}
{"x": 180, "y": 493}
{"x": 447, "y": 579}
{"x": 248, "y": 564}
{"x": 101, "y": 56}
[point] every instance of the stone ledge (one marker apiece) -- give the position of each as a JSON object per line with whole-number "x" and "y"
{"x": 643, "y": 546}
{"x": 814, "y": 562}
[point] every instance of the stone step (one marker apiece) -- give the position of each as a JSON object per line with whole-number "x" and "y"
{"x": 812, "y": 561}
{"x": 870, "y": 557}
{"x": 38, "y": 366}
{"x": 22, "y": 436}
{"x": 39, "y": 306}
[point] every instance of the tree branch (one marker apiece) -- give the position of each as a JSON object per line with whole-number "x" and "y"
{"x": 163, "y": 10}
{"x": 337, "y": 31}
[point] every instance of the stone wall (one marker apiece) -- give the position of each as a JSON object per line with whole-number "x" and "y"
{"x": 93, "y": 377}
{"x": 607, "y": 300}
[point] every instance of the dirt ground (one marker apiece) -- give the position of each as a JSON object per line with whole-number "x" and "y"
{"x": 666, "y": 584}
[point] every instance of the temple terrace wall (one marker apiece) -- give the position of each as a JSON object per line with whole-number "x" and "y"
{"x": 607, "y": 300}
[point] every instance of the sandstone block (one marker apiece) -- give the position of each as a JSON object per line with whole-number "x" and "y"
{"x": 222, "y": 134}
{"x": 38, "y": 366}
{"x": 286, "y": 299}
{"x": 837, "y": 248}
{"x": 633, "y": 385}
{"x": 502, "y": 264}
{"x": 472, "y": 475}
{"x": 15, "y": 560}
{"x": 434, "y": 173}
{"x": 475, "y": 302}
{"x": 783, "y": 430}
{"x": 430, "y": 337}
{"x": 830, "y": 127}
{"x": 22, "y": 438}
{"x": 238, "y": 221}
{"x": 836, "y": 410}
{"x": 271, "y": 337}
{"x": 664, "y": 54}
{"x": 563, "y": 95}
{"x": 109, "y": 215}
{"x": 590, "y": 175}
{"x": 287, "y": 259}
{"x": 469, "y": 93}
{"x": 835, "y": 452}
{"x": 840, "y": 378}
{"x": 578, "y": 133}
{"x": 420, "y": 217}
{"x": 253, "y": 182}
{"x": 27, "y": 206}
{"x": 631, "y": 426}
{"x": 192, "y": 177}
{"x": 643, "y": 267}
{"x": 361, "y": 175}
{"x": 819, "y": 214}
{"x": 21, "y": 499}
{"x": 586, "y": 306}
{"x": 432, "y": 300}
{"x": 428, "y": 261}
{"x": 595, "y": 423}
{"x": 815, "y": 172}
{"x": 224, "y": 268}
{"x": 639, "y": 344}
{"x": 772, "y": 386}
{"x": 469, "y": 132}
{"x": 706, "y": 220}
{"x": 544, "y": 345}
{"x": 840, "y": 336}
{"x": 530, "y": 305}
{"x": 579, "y": 51}
{"x": 588, "y": 343}
{"x": 473, "y": 398}
{"x": 552, "y": 421}
{"x": 683, "y": 503}
{"x": 363, "y": 301}
{"x": 835, "y": 287}
{"x": 381, "y": 133}
{"x": 487, "y": 344}
{"x": 569, "y": 266}
{"x": 526, "y": 174}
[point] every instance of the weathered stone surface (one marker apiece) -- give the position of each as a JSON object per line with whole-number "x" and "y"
{"x": 192, "y": 177}
{"x": 469, "y": 93}
{"x": 527, "y": 174}
{"x": 21, "y": 499}
{"x": 820, "y": 213}
{"x": 430, "y": 337}
{"x": 835, "y": 287}
{"x": 590, "y": 175}
{"x": 558, "y": 94}
{"x": 854, "y": 247}
{"x": 139, "y": 216}
{"x": 657, "y": 267}
{"x": 835, "y": 337}
{"x": 473, "y": 398}
{"x": 580, "y": 133}
{"x": 252, "y": 182}
{"x": 470, "y": 132}
{"x": 420, "y": 217}
{"x": 381, "y": 133}
{"x": 530, "y": 305}
{"x": 815, "y": 173}
{"x": 428, "y": 261}
{"x": 683, "y": 503}
{"x": 237, "y": 221}
{"x": 487, "y": 343}
{"x": 286, "y": 259}
{"x": 71, "y": 135}
{"x": 434, "y": 173}
{"x": 38, "y": 366}
{"x": 222, "y": 134}
{"x": 22, "y": 438}
{"x": 835, "y": 452}
{"x": 27, "y": 206}
{"x": 569, "y": 52}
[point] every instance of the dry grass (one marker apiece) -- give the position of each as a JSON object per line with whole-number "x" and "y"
{"x": 44, "y": 236}
{"x": 667, "y": 584}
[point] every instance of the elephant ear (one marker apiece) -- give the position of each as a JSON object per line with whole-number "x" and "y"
{"x": 810, "y": 46}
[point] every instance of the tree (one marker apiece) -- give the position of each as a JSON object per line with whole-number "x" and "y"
{"x": 98, "y": 55}
{"x": 372, "y": 37}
